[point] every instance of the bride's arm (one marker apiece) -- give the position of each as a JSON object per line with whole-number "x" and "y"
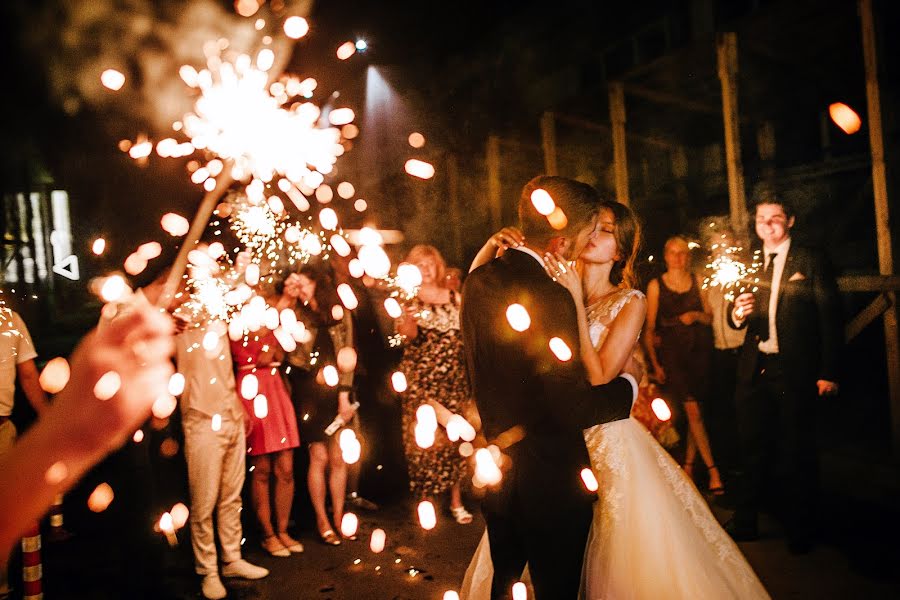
{"x": 508, "y": 237}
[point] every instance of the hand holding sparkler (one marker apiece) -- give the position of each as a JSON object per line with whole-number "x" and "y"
{"x": 744, "y": 305}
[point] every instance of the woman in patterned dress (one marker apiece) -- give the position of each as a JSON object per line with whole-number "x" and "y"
{"x": 434, "y": 366}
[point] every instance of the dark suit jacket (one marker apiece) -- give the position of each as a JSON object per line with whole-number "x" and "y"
{"x": 518, "y": 383}
{"x": 807, "y": 318}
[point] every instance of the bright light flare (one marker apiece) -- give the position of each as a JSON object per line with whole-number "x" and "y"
{"x": 375, "y": 261}
{"x": 661, "y": 409}
{"x": 558, "y": 219}
{"x": 98, "y": 246}
{"x": 486, "y": 470}
{"x": 330, "y": 373}
{"x": 296, "y": 27}
{"x": 328, "y": 218}
{"x": 176, "y": 384}
{"x": 589, "y": 480}
{"x": 543, "y": 202}
{"x": 393, "y": 308}
{"x": 112, "y": 79}
{"x": 560, "y": 349}
{"x": 113, "y": 288}
{"x": 419, "y": 168}
{"x": 101, "y": 498}
{"x": 260, "y": 406}
{"x": 518, "y": 317}
{"x": 416, "y": 139}
{"x": 174, "y": 225}
{"x": 519, "y": 591}
{"x": 346, "y": 359}
{"x": 427, "y": 516}
{"x": 398, "y": 382}
{"x": 349, "y": 524}
{"x": 340, "y": 245}
{"x": 450, "y": 595}
{"x": 351, "y": 449}
{"x": 107, "y": 386}
{"x": 164, "y": 406}
{"x": 409, "y": 277}
{"x": 346, "y": 50}
{"x": 180, "y": 515}
{"x": 845, "y": 117}
{"x": 249, "y": 386}
{"x": 216, "y": 422}
{"x": 55, "y": 375}
{"x": 341, "y": 116}
{"x": 377, "y": 542}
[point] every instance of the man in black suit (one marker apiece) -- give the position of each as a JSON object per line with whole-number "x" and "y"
{"x": 789, "y": 357}
{"x": 534, "y": 402}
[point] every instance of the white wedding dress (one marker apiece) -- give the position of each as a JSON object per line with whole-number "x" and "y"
{"x": 653, "y": 535}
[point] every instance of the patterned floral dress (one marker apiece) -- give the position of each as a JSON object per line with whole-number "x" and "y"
{"x": 434, "y": 366}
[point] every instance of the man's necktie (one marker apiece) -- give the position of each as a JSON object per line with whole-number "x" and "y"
{"x": 766, "y": 292}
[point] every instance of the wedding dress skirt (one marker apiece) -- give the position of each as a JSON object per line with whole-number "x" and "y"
{"x": 653, "y": 535}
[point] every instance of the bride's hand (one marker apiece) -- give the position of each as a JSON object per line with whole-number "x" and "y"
{"x": 564, "y": 273}
{"x": 508, "y": 237}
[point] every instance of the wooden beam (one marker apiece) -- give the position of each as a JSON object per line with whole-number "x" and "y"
{"x": 726, "y": 53}
{"x": 882, "y": 216}
{"x": 620, "y": 155}
{"x": 604, "y": 128}
{"x": 869, "y": 283}
{"x": 871, "y": 312}
{"x": 493, "y": 168}
{"x": 672, "y": 100}
{"x": 548, "y": 142}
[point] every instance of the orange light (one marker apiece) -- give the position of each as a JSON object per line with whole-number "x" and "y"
{"x": 341, "y": 116}
{"x": 107, "y": 386}
{"x": 590, "y": 481}
{"x": 416, "y": 139}
{"x": 346, "y": 50}
{"x": 98, "y": 246}
{"x": 661, "y": 409}
{"x": 328, "y": 218}
{"x": 112, "y": 79}
{"x": 346, "y": 359}
{"x": 518, "y": 317}
{"x": 174, "y": 225}
{"x": 331, "y": 375}
{"x": 249, "y": 386}
{"x": 101, "y": 498}
{"x": 261, "y": 406}
{"x": 542, "y": 202}
{"x": 345, "y": 190}
{"x": 845, "y": 117}
{"x": 163, "y": 406}
{"x": 519, "y": 591}
{"x": 427, "y": 516}
{"x": 558, "y": 219}
{"x": 376, "y": 544}
{"x": 393, "y": 308}
{"x": 349, "y": 524}
{"x": 560, "y": 349}
{"x": 419, "y": 168}
{"x": 176, "y": 384}
{"x": 179, "y": 514}
{"x": 296, "y": 27}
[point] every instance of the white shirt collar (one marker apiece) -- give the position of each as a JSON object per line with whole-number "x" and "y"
{"x": 780, "y": 250}
{"x": 530, "y": 252}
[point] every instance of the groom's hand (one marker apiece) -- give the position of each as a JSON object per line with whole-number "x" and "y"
{"x": 634, "y": 368}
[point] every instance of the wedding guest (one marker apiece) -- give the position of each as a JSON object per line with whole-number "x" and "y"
{"x": 720, "y": 409}
{"x": 789, "y": 358}
{"x": 271, "y": 438}
{"x": 318, "y": 402}
{"x": 17, "y": 368}
{"x": 434, "y": 365}
{"x": 677, "y": 312}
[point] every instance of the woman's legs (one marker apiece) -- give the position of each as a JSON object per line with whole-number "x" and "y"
{"x": 262, "y": 472}
{"x": 315, "y": 480}
{"x": 284, "y": 488}
{"x": 701, "y": 440}
{"x": 337, "y": 481}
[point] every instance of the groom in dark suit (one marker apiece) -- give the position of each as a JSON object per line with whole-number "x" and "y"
{"x": 535, "y": 401}
{"x": 789, "y": 357}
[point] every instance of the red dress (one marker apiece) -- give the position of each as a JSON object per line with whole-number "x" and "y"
{"x": 278, "y": 429}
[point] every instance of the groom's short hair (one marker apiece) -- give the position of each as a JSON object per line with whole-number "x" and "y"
{"x": 577, "y": 201}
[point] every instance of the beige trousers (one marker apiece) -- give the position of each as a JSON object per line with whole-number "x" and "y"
{"x": 215, "y": 464}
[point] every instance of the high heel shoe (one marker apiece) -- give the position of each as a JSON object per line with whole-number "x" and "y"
{"x": 330, "y": 538}
{"x": 290, "y": 543}
{"x": 273, "y": 546}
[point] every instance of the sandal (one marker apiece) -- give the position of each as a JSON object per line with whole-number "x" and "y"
{"x": 290, "y": 543}
{"x": 273, "y": 546}
{"x": 330, "y": 538}
{"x": 461, "y": 515}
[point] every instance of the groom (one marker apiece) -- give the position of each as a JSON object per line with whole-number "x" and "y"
{"x": 534, "y": 403}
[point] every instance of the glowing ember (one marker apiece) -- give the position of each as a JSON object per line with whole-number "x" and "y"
{"x": 398, "y": 382}
{"x": 346, "y": 50}
{"x": 112, "y": 79}
{"x": 393, "y": 308}
{"x": 845, "y": 117}
{"x": 560, "y": 349}
{"x": 179, "y": 514}
{"x": 164, "y": 406}
{"x": 728, "y": 271}
{"x": 661, "y": 409}
{"x": 176, "y": 384}
{"x": 590, "y": 481}
{"x": 98, "y": 246}
{"x": 518, "y": 317}
{"x": 296, "y": 27}
{"x": 174, "y": 225}
{"x": 260, "y": 406}
{"x": 331, "y": 375}
{"x": 101, "y": 498}
{"x": 349, "y": 524}
{"x": 107, "y": 386}
{"x": 519, "y": 591}
{"x": 55, "y": 375}
{"x": 249, "y": 386}
{"x": 416, "y": 140}
{"x": 376, "y": 543}
{"x": 419, "y": 168}
{"x": 542, "y": 202}
{"x": 427, "y": 516}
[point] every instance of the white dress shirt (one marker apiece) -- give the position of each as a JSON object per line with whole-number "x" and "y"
{"x": 770, "y": 346}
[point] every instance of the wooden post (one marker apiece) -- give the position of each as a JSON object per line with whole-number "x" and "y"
{"x": 620, "y": 157}
{"x": 726, "y": 51}
{"x": 453, "y": 201}
{"x": 882, "y": 217}
{"x": 548, "y": 141}
{"x": 493, "y": 169}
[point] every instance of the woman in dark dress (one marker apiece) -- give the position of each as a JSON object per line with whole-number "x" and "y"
{"x": 679, "y": 318}
{"x": 318, "y": 401}
{"x": 434, "y": 365}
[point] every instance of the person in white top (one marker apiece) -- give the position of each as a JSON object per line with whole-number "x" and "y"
{"x": 789, "y": 358}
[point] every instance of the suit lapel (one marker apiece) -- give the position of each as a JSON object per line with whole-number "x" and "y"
{"x": 789, "y": 269}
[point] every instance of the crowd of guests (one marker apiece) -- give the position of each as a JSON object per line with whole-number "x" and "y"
{"x": 711, "y": 357}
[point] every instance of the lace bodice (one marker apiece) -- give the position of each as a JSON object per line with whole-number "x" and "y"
{"x": 601, "y": 313}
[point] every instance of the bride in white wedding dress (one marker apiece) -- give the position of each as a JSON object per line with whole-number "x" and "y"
{"x": 653, "y": 535}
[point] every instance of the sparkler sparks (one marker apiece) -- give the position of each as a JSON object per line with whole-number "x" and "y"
{"x": 728, "y": 271}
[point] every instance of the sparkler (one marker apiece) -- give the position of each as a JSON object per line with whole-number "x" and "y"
{"x": 729, "y": 271}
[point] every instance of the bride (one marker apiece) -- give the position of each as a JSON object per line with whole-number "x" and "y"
{"x": 653, "y": 535}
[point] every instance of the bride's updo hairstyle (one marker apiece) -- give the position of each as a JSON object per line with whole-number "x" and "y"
{"x": 628, "y": 242}
{"x": 576, "y": 200}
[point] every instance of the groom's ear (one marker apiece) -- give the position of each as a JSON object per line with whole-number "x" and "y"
{"x": 559, "y": 245}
